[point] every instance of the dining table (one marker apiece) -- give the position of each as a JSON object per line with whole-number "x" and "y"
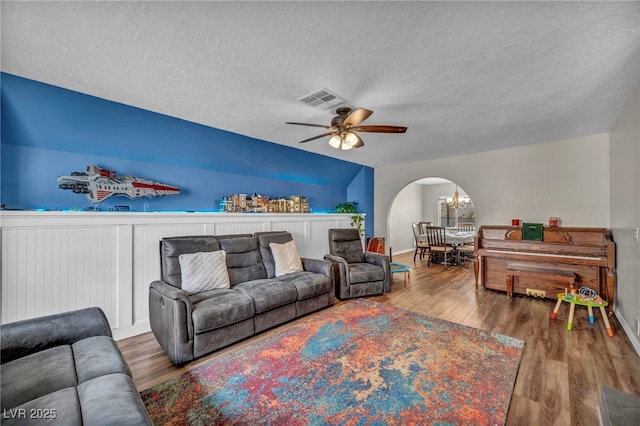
{"x": 458, "y": 238}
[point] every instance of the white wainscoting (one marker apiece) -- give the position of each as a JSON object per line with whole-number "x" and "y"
{"x": 59, "y": 261}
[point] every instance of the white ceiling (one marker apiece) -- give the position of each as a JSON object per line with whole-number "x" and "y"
{"x": 464, "y": 77}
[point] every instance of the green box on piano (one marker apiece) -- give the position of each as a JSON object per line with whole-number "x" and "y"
{"x": 532, "y": 231}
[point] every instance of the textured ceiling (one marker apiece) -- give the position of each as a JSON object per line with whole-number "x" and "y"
{"x": 464, "y": 77}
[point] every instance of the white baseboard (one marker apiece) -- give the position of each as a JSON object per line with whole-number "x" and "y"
{"x": 628, "y": 330}
{"x": 140, "y": 327}
{"x": 403, "y": 251}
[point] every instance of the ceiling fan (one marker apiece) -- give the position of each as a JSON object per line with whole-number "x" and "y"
{"x": 345, "y": 125}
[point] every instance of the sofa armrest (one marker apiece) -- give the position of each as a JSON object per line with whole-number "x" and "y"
{"x": 316, "y": 265}
{"x": 22, "y": 338}
{"x": 170, "y": 318}
{"x": 323, "y": 267}
{"x": 342, "y": 283}
{"x": 381, "y": 260}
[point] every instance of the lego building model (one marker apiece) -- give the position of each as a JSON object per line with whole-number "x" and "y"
{"x": 241, "y": 203}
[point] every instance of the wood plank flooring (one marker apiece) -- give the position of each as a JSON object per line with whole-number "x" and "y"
{"x": 561, "y": 371}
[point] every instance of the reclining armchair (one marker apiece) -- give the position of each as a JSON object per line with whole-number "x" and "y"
{"x": 357, "y": 273}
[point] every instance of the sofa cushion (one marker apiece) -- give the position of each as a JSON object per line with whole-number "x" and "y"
{"x": 57, "y": 408}
{"x": 111, "y": 400}
{"x": 204, "y": 271}
{"x": 268, "y": 294}
{"x": 244, "y": 262}
{"x": 37, "y": 374}
{"x": 365, "y": 272}
{"x": 97, "y": 356}
{"x": 264, "y": 241}
{"x": 308, "y": 284}
{"x": 219, "y": 308}
{"x": 172, "y": 247}
{"x": 286, "y": 258}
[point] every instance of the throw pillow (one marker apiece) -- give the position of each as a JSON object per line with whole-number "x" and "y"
{"x": 204, "y": 271}
{"x": 286, "y": 258}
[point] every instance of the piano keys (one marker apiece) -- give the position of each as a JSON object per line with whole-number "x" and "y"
{"x": 587, "y": 252}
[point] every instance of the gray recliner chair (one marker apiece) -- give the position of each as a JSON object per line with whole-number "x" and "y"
{"x": 357, "y": 272}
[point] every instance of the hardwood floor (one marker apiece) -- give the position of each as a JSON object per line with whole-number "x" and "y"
{"x": 561, "y": 371}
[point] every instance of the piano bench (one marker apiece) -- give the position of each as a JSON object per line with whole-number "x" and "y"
{"x": 555, "y": 275}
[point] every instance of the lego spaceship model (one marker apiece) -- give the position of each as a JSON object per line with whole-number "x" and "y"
{"x": 99, "y": 184}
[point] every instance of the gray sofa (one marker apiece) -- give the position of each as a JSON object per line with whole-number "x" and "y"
{"x": 66, "y": 369}
{"x": 188, "y": 325}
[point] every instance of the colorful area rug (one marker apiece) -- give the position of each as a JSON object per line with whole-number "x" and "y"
{"x": 359, "y": 363}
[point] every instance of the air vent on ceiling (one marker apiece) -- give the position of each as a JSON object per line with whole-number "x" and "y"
{"x": 323, "y": 98}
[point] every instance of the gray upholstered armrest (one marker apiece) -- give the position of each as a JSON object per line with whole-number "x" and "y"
{"x": 336, "y": 259}
{"x": 342, "y": 281}
{"x": 376, "y": 258}
{"x": 29, "y": 336}
{"x": 170, "y": 317}
{"x": 172, "y": 292}
{"x": 316, "y": 265}
{"x": 381, "y": 260}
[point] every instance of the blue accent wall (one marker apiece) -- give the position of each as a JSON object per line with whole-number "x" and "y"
{"x": 48, "y": 131}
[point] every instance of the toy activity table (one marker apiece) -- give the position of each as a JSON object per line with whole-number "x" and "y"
{"x": 573, "y": 299}
{"x": 401, "y": 267}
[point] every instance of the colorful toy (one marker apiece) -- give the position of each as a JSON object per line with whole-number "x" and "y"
{"x": 585, "y": 296}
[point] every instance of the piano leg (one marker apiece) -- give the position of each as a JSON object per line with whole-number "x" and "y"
{"x": 476, "y": 268}
{"x": 611, "y": 288}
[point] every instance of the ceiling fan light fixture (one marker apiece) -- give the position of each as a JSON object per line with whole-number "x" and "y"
{"x": 351, "y": 139}
{"x": 336, "y": 141}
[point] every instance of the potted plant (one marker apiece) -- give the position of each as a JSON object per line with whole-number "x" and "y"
{"x": 357, "y": 220}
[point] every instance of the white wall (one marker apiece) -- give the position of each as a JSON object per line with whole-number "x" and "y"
{"x": 625, "y": 213}
{"x": 567, "y": 178}
{"x": 406, "y": 209}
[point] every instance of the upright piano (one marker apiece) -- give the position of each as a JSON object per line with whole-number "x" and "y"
{"x": 587, "y": 252}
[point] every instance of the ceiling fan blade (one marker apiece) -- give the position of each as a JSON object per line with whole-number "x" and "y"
{"x": 318, "y": 137}
{"x": 357, "y": 117}
{"x": 309, "y": 124}
{"x": 381, "y": 129}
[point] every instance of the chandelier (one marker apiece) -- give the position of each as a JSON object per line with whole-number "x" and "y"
{"x": 457, "y": 201}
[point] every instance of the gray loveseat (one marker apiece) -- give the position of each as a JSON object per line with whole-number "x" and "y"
{"x": 189, "y": 325}
{"x": 66, "y": 369}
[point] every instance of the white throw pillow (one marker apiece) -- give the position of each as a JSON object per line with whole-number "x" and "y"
{"x": 204, "y": 271}
{"x": 286, "y": 258}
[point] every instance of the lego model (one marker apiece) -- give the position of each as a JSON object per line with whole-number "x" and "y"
{"x": 99, "y": 184}
{"x": 242, "y": 203}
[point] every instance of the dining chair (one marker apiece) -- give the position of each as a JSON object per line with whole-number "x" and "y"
{"x": 438, "y": 244}
{"x": 422, "y": 226}
{"x": 465, "y": 252}
{"x": 422, "y": 246}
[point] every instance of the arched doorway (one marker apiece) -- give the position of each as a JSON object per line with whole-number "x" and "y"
{"x": 429, "y": 199}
